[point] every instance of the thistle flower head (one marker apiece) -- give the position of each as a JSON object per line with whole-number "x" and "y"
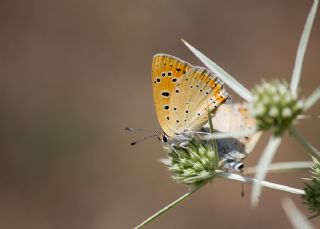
{"x": 312, "y": 197}
{"x": 312, "y": 190}
{"x": 274, "y": 107}
{"x": 315, "y": 170}
{"x": 192, "y": 163}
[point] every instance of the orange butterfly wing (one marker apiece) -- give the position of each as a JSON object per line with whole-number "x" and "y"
{"x": 199, "y": 90}
{"x": 166, "y": 72}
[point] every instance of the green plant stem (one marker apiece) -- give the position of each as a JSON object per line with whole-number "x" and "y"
{"x": 225, "y": 175}
{"x": 213, "y": 141}
{"x": 173, "y": 204}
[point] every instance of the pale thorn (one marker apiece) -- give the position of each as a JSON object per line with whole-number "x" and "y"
{"x": 260, "y": 109}
{"x": 282, "y": 89}
{"x": 276, "y": 98}
{"x": 265, "y": 100}
{"x": 274, "y": 112}
{"x": 286, "y": 113}
{"x": 304, "y": 117}
{"x": 299, "y": 105}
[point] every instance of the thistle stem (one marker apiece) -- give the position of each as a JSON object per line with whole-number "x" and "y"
{"x": 263, "y": 164}
{"x": 284, "y": 166}
{"x": 225, "y": 175}
{"x": 173, "y": 204}
{"x": 234, "y": 134}
{"x": 298, "y": 220}
{"x": 313, "y": 98}
{"x": 312, "y": 150}
{"x": 241, "y": 90}
{"x": 263, "y": 183}
{"x": 302, "y": 48}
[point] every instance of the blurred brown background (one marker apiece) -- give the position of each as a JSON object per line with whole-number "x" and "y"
{"x": 75, "y": 73}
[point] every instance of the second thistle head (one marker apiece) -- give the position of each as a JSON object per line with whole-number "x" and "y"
{"x": 274, "y": 107}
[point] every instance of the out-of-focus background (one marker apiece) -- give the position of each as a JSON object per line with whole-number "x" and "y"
{"x": 74, "y": 73}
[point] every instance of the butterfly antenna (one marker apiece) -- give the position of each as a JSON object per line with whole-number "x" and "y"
{"x": 143, "y": 139}
{"x": 141, "y": 130}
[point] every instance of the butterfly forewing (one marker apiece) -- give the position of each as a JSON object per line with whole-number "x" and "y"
{"x": 166, "y": 72}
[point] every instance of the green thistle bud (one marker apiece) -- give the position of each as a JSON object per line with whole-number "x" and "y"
{"x": 274, "y": 107}
{"x": 312, "y": 197}
{"x": 315, "y": 170}
{"x": 312, "y": 190}
{"x": 193, "y": 163}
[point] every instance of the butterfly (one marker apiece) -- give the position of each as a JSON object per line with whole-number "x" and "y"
{"x": 235, "y": 117}
{"x": 183, "y": 94}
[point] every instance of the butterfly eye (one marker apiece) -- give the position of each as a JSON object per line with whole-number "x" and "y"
{"x": 164, "y": 138}
{"x": 239, "y": 166}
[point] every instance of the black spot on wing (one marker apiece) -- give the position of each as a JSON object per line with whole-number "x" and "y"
{"x": 165, "y": 94}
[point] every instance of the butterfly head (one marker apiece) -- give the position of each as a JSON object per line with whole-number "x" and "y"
{"x": 163, "y": 137}
{"x": 178, "y": 139}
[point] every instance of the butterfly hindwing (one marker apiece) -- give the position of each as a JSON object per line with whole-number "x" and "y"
{"x": 235, "y": 117}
